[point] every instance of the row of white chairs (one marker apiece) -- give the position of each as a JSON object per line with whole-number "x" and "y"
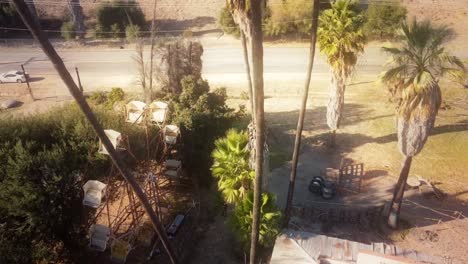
{"x": 136, "y": 112}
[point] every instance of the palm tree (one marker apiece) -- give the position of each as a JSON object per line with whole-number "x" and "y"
{"x": 300, "y": 122}
{"x": 417, "y": 65}
{"x": 270, "y": 220}
{"x": 231, "y": 165}
{"x": 248, "y": 15}
{"x": 341, "y": 40}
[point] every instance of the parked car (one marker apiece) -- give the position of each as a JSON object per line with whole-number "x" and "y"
{"x": 322, "y": 187}
{"x": 13, "y": 76}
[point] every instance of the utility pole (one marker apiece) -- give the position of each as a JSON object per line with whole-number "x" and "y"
{"x": 302, "y": 112}
{"x": 49, "y": 50}
{"x": 79, "y": 80}
{"x": 27, "y": 82}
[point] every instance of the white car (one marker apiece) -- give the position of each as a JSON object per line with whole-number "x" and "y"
{"x": 13, "y": 76}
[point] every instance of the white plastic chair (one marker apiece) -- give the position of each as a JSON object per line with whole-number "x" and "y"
{"x": 98, "y": 237}
{"x": 173, "y": 174}
{"x": 170, "y": 134}
{"x": 114, "y": 137}
{"x": 135, "y": 112}
{"x": 172, "y": 164}
{"x": 159, "y": 111}
{"x": 93, "y": 193}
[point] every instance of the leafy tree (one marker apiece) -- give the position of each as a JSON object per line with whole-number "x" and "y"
{"x": 68, "y": 30}
{"x": 132, "y": 33}
{"x": 341, "y": 40}
{"x": 384, "y": 20}
{"x": 119, "y": 12}
{"x": 418, "y": 63}
{"x": 231, "y": 165}
{"x": 226, "y": 21}
{"x": 269, "y": 224}
{"x": 202, "y": 116}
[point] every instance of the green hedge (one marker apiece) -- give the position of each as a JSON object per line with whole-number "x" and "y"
{"x": 44, "y": 162}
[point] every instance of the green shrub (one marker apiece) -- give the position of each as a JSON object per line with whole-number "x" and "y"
{"x": 98, "y": 97}
{"x": 244, "y": 95}
{"x": 382, "y": 21}
{"x": 270, "y": 217}
{"x": 107, "y": 100}
{"x": 132, "y": 33}
{"x": 202, "y": 116}
{"x": 289, "y": 17}
{"x": 120, "y": 13}
{"x": 116, "y": 95}
{"x": 226, "y": 22}
{"x": 68, "y": 30}
{"x": 42, "y": 157}
{"x": 115, "y": 31}
{"x": 98, "y": 32}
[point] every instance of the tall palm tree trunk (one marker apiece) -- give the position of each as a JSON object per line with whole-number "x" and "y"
{"x": 394, "y": 214}
{"x": 300, "y": 122}
{"x": 257, "y": 64}
{"x": 81, "y": 101}
{"x": 77, "y": 17}
{"x": 335, "y": 105}
{"x": 249, "y": 78}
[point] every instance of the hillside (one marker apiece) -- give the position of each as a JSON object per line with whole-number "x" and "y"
{"x": 171, "y": 14}
{"x": 202, "y": 14}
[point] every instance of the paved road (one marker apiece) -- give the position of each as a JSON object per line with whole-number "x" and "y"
{"x": 223, "y": 66}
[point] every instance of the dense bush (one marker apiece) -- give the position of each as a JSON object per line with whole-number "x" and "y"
{"x": 68, "y": 30}
{"x": 115, "y": 31}
{"x": 292, "y": 17}
{"x": 108, "y": 100}
{"x": 9, "y": 17}
{"x": 98, "y": 32}
{"x": 120, "y": 13}
{"x": 226, "y": 22}
{"x": 132, "y": 33}
{"x": 203, "y": 116}
{"x": 289, "y": 17}
{"x": 383, "y": 20}
{"x": 45, "y": 160}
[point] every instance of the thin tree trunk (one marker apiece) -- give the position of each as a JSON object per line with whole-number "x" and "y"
{"x": 148, "y": 93}
{"x": 300, "y": 122}
{"x": 394, "y": 214}
{"x": 81, "y": 101}
{"x": 257, "y": 64}
{"x": 249, "y": 78}
{"x": 77, "y": 17}
{"x": 335, "y": 104}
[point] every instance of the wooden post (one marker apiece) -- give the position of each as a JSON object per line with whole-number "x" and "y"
{"x": 79, "y": 80}
{"x": 27, "y": 82}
